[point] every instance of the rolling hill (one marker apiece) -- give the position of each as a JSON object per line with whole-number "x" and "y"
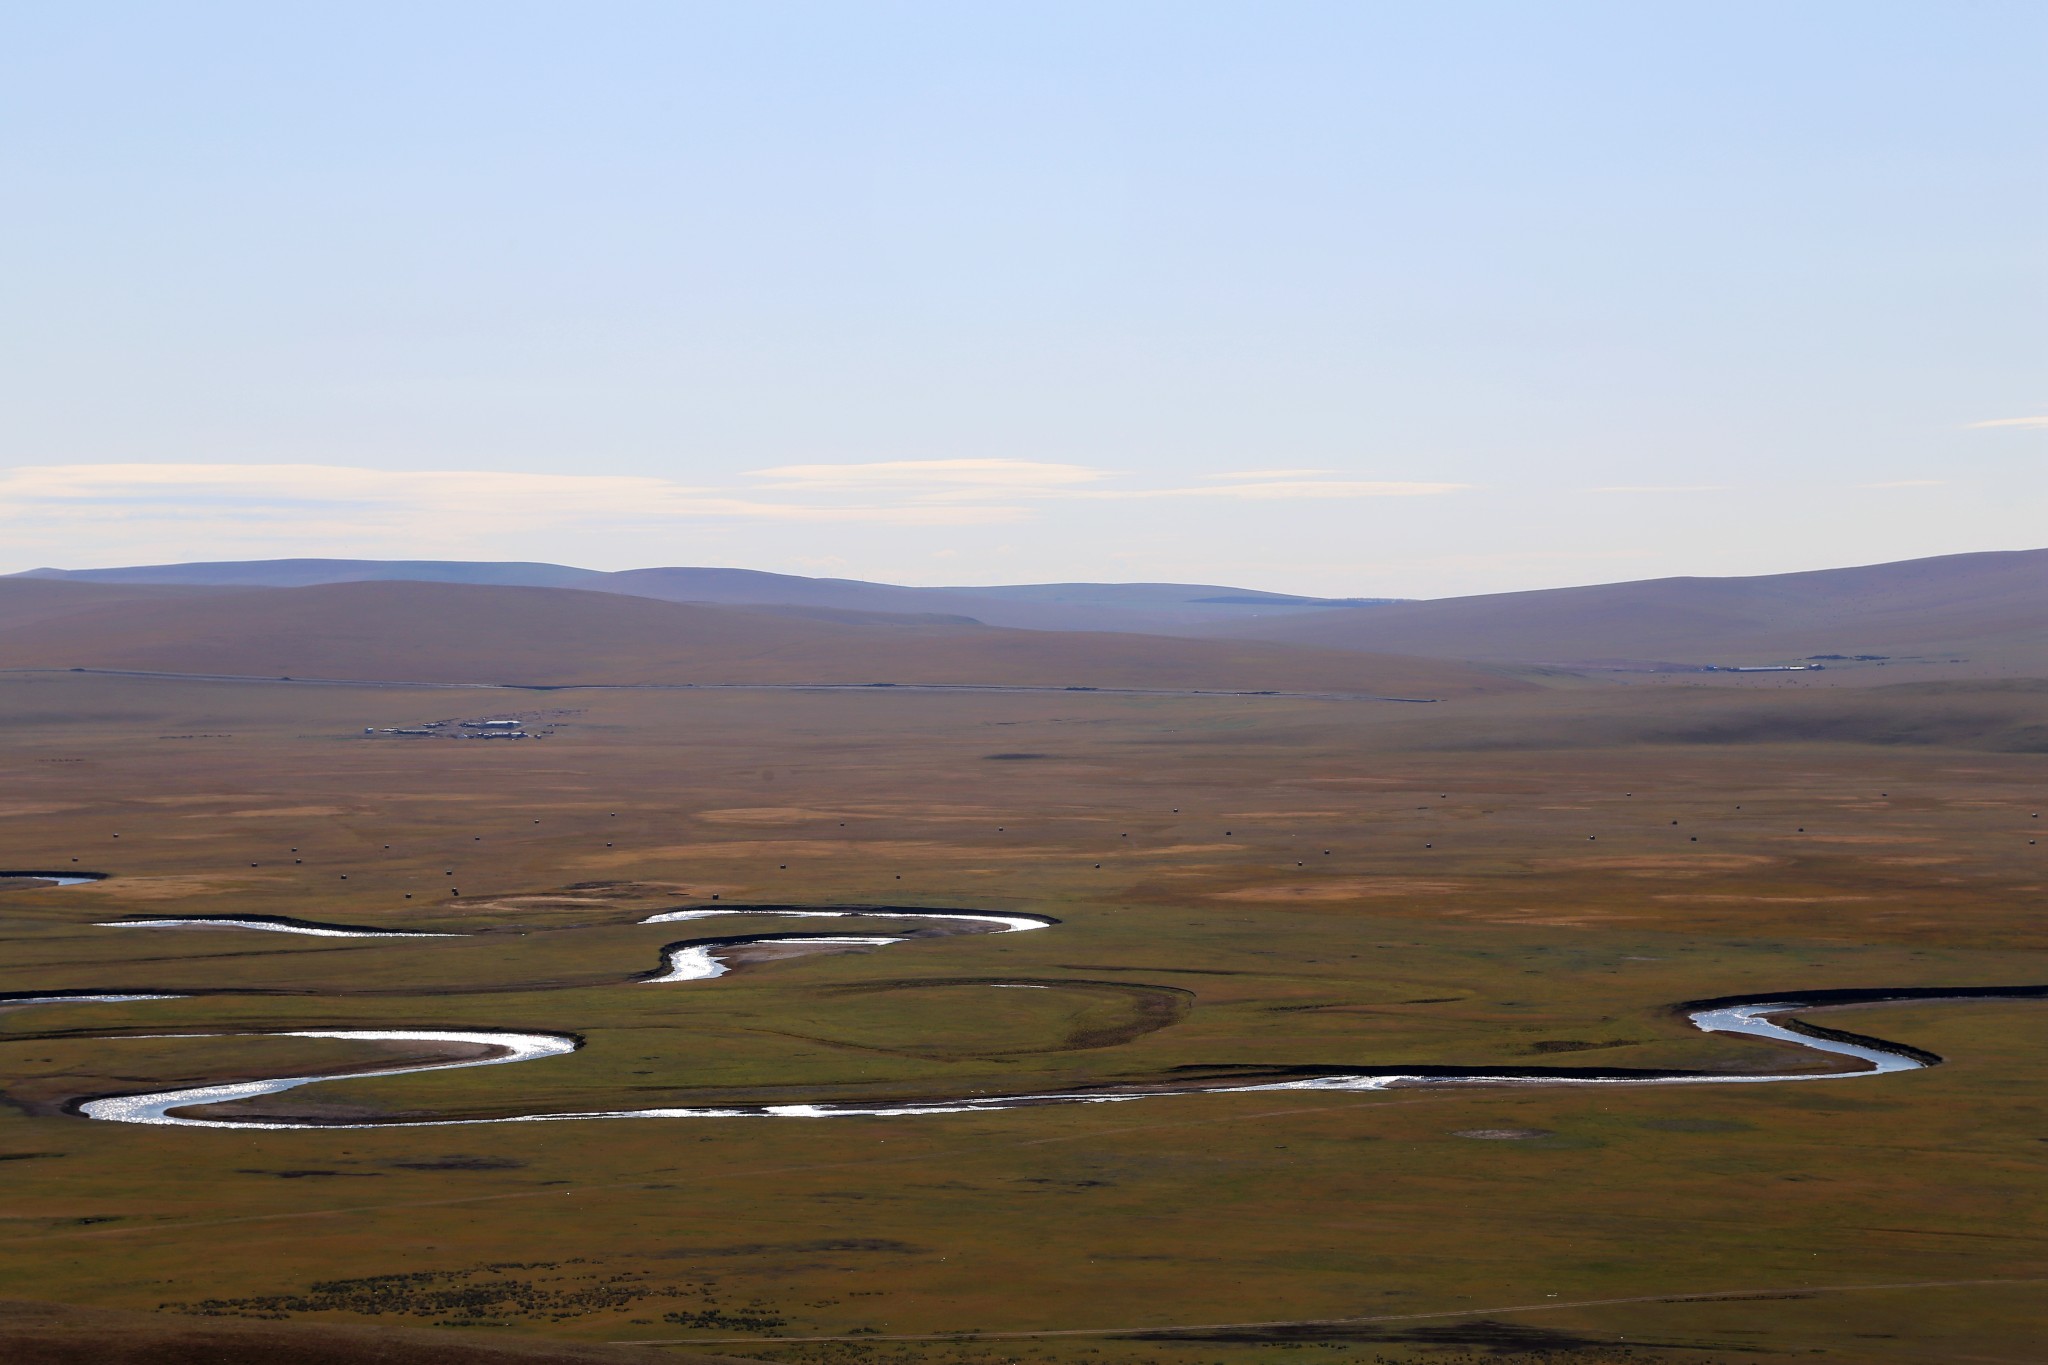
{"x": 453, "y": 633}
{"x": 1981, "y": 614}
{"x": 1989, "y": 610}
{"x": 25, "y": 601}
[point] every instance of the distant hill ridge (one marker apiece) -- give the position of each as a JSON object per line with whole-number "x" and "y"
{"x": 1173, "y": 608}
{"x": 1986, "y": 613}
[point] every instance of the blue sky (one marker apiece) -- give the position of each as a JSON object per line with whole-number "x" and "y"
{"x": 1360, "y": 298}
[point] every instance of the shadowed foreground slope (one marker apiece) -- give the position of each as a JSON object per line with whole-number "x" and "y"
{"x": 62, "y": 1334}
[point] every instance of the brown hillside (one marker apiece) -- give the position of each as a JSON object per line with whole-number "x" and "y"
{"x": 432, "y": 632}
{"x": 1991, "y": 608}
{"x": 24, "y": 601}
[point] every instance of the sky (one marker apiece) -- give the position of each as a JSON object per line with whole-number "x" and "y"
{"x": 1356, "y": 299}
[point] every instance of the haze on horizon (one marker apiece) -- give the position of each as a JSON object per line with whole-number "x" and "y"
{"x": 1332, "y": 299}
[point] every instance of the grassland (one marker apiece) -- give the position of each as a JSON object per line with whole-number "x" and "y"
{"x": 1517, "y": 879}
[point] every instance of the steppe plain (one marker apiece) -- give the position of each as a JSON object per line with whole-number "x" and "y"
{"x": 1531, "y": 875}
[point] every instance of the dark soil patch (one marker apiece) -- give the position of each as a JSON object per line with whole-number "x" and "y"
{"x": 1488, "y": 1334}
{"x": 868, "y": 1244}
{"x": 1504, "y": 1134}
{"x": 1577, "y": 1045}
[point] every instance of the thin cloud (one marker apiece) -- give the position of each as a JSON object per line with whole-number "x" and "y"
{"x": 1907, "y": 483}
{"x": 1304, "y": 488}
{"x": 440, "y": 500}
{"x": 929, "y": 478}
{"x": 1663, "y": 488}
{"x": 129, "y": 512}
{"x": 2034, "y": 422}
{"x": 938, "y": 481}
{"x": 1272, "y": 474}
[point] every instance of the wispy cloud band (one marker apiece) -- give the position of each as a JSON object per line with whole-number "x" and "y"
{"x": 214, "y": 506}
{"x": 930, "y": 478}
{"x": 2040, "y": 423}
{"x": 508, "y": 499}
{"x": 1291, "y": 488}
{"x": 1663, "y": 488}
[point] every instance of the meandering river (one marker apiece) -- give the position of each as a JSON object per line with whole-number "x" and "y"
{"x": 1762, "y": 1017}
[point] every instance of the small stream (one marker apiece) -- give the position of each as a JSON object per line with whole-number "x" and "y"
{"x": 30, "y": 881}
{"x": 706, "y": 958}
{"x": 275, "y": 924}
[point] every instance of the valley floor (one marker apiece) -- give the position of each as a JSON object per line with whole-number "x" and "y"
{"x": 1513, "y": 881}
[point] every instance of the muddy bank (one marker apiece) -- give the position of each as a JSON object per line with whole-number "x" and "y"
{"x": 19, "y": 880}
